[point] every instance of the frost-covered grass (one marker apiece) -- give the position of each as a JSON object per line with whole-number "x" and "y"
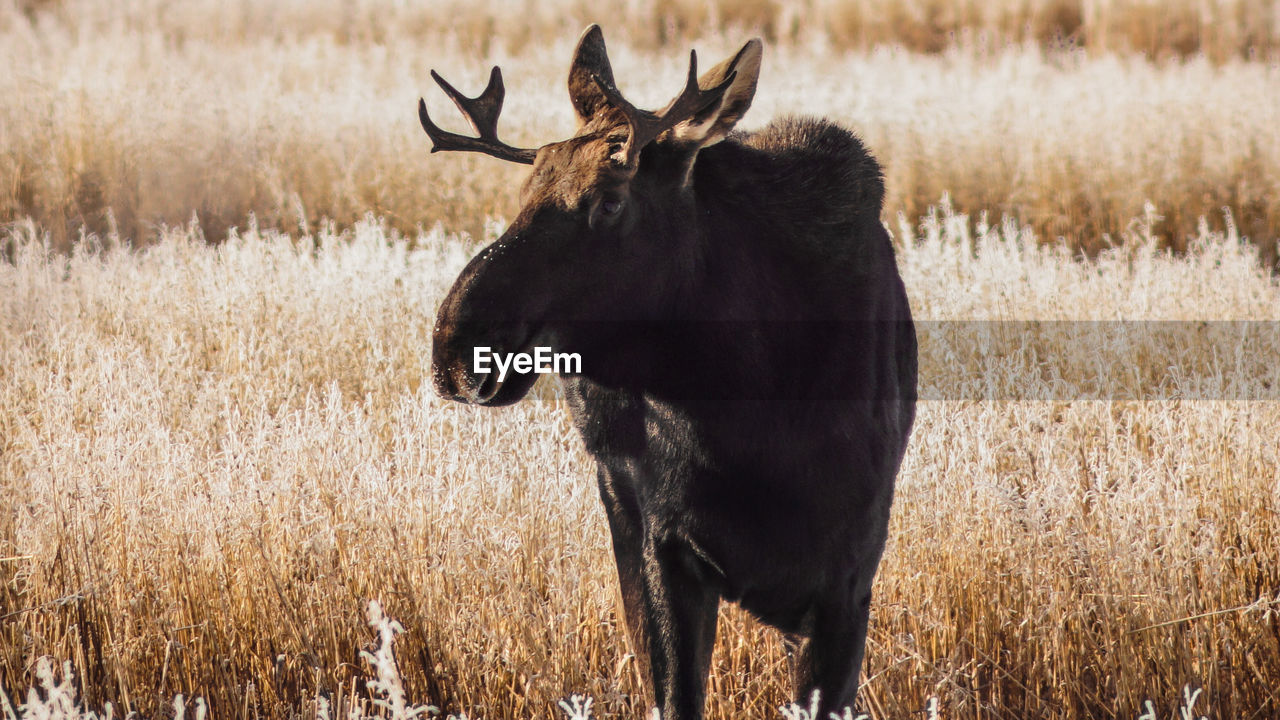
{"x": 211, "y": 456}
{"x": 297, "y": 111}
{"x": 56, "y": 697}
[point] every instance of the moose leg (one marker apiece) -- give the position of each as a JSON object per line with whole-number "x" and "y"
{"x": 627, "y": 532}
{"x": 793, "y": 645}
{"x": 830, "y": 659}
{"x": 681, "y": 615}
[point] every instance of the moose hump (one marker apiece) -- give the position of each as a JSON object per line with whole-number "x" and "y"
{"x": 808, "y": 173}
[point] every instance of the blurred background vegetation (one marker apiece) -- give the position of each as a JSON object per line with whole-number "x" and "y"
{"x": 1066, "y": 115}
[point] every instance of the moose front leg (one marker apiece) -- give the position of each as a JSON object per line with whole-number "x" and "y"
{"x": 626, "y": 530}
{"x": 680, "y": 621}
{"x": 830, "y": 658}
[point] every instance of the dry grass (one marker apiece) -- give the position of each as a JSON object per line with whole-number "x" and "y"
{"x": 211, "y": 456}
{"x": 134, "y": 118}
{"x": 1219, "y": 29}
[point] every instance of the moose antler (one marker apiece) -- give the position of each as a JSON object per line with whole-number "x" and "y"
{"x": 646, "y": 126}
{"x": 481, "y": 113}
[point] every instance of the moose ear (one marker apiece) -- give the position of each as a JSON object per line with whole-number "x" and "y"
{"x": 589, "y": 60}
{"x": 713, "y": 123}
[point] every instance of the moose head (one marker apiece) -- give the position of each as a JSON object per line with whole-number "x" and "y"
{"x": 603, "y": 232}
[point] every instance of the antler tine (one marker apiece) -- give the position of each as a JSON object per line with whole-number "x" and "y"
{"x": 693, "y": 99}
{"x": 481, "y": 113}
{"x": 647, "y": 126}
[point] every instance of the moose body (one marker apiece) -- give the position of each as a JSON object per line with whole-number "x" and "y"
{"x": 748, "y": 358}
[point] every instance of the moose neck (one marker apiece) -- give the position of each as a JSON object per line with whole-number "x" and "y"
{"x": 703, "y": 342}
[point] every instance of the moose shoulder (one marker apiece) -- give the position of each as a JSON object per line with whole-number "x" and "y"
{"x": 748, "y": 358}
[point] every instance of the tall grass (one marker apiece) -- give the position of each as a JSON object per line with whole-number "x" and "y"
{"x": 1219, "y": 29}
{"x": 132, "y": 119}
{"x": 211, "y": 456}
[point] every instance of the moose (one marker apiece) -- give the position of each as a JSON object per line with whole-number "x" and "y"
{"x": 748, "y": 375}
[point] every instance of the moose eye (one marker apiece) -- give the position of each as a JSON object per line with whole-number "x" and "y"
{"x": 610, "y": 206}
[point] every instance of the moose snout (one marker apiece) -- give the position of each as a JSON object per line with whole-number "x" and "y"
{"x": 491, "y": 386}
{"x": 451, "y": 374}
{"x": 454, "y": 381}
{"x": 471, "y": 362}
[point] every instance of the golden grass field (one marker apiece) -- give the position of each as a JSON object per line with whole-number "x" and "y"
{"x": 213, "y": 455}
{"x": 297, "y": 111}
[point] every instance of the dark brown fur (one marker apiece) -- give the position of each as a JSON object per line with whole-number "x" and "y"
{"x": 749, "y": 365}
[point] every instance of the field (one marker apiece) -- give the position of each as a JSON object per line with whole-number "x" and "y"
{"x": 296, "y": 111}
{"x": 217, "y": 442}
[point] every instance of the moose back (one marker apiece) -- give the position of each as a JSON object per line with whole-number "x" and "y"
{"x": 748, "y": 361}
